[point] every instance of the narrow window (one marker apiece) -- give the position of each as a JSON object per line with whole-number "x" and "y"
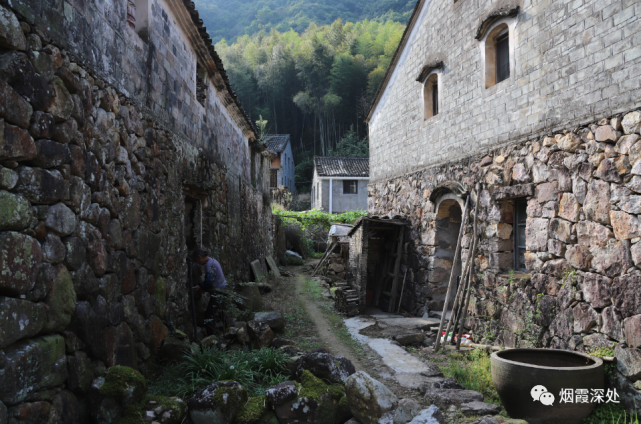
{"x": 520, "y": 219}
{"x": 430, "y": 96}
{"x": 273, "y": 178}
{"x": 201, "y": 84}
{"x": 497, "y": 55}
{"x": 502, "y": 57}
{"x": 350, "y": 187}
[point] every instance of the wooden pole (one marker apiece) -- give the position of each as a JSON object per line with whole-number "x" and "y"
{"x": 397, "y": 269}
{"x": 449, "y": 286}
{"x": 467, "y": 294}
{"x": 325, "y": 256}
{"x": 400, "y": 299}
{"x": 459, "y": 292}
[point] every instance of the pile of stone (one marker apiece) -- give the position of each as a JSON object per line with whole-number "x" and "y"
{"x": 336, "y": 267}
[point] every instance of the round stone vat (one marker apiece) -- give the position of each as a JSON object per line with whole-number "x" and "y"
{"x": 536, "y": 384}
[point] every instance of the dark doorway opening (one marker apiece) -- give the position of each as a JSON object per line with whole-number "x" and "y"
{"x": 448, "y": 225}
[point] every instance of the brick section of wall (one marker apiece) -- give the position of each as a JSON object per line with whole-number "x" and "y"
{"x": 576, "y": 61}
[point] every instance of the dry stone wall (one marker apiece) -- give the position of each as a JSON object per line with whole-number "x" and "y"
{"x": 100, "y": 199}
{"x": 582, "y": 287}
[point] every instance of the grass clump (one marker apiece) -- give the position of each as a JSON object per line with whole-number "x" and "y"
{"x": 472, "y": 370}
{"x": 611, "y": 413}
{"x": 256, "y": 371}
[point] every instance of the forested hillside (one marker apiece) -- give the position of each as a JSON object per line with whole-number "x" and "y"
{"x": 316, "y": 86}
{"x": 230, "y": 19}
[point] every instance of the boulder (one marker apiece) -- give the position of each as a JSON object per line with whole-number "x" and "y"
{"x": 315, "y": 402}
{"x": 162, "y": 410}
{"x": 111, "y": 394}
{"x": 631, "y": 122}
{"x": 218, "y": 403}
{"x": 15, "y": 211}
{"x": 335, "y": 369}
{"x": 19, "y": 319}
{"x": 51, "y": 154}
{"x": 477, "y": 408}
{"x": 281, "y": 393}
{"x": 274, "y": 319}
{"x": 406, "y": 410}
{"x": 431, "y": 415}
{"x": 11, "y": 35}
{"x": 32, "y": 365}
{"x": 252, "y": 299}
{"x": 20, "y": 257}
{"x": 260, "y": 333}
{"x": 8, "y": 178}
{"x": 628, "y": 362}
{"x": 53, "y": 251}
{"x": 409, "y": 339}
{"x": 632, "y": 329}
{"x": 368, "y": 399}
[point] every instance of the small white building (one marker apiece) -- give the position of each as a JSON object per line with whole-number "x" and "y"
{"x": 340, "y": 184}
{"x": 282, "y": 170}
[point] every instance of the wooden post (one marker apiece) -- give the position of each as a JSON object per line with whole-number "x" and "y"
{"x": 397, "y": 269}
{"x": 449, "y": 286}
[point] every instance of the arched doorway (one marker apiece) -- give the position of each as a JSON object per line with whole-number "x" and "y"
{"x": 448, "y": 223}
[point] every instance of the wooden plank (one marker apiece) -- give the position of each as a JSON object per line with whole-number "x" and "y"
{"x": 273, "y": 267}
{"x": 325, "y": 257}
{"x": 397, "y": 270}
{"x": 259, "y": 273}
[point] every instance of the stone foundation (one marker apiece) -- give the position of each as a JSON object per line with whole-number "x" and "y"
{"x": 580, "y": 289}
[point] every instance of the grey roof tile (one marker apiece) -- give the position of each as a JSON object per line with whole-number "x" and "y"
{"x": 342, "y": 166}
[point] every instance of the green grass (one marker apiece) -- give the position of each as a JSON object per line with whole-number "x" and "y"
{"x": 610, "y": 413}
{"x": 472, "y": 370}
{"x": 313, "y": 290}
{"x": 256, "y": 371}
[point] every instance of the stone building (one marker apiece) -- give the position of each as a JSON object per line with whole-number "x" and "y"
{"x": 537, "y": 102}
{"x": 122, "y": 148}
{"x": 340, "y": 184}
{"x": 282, "y": 170}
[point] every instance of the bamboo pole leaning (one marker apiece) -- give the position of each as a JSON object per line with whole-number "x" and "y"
{"x": 459, "y": 292}
{"x": 451, "y": 282}
{"x": 467, "y": 294}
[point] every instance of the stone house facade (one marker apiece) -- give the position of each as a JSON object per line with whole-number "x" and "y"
{"x": 122, "y": 149}
{"x": 537, "y": 102}
{"x": 339, "y": 184}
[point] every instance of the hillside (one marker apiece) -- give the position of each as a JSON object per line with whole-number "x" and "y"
{"x": 230, "y": 19}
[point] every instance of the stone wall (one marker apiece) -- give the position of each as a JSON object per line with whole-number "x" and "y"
{"x": 581, "y": 290}
{"x": 572, "y": 63}
{"x": 105, "y": 186}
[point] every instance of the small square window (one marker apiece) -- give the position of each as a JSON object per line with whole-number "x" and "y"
{"x": 520, "y": 221}
{"x": 350, "y": 187}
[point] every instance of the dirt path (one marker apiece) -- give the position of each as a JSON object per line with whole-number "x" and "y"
{"x": 325, "y": 334}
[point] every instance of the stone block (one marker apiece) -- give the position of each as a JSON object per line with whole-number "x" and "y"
{"x": 19, "y": 319}
{"x": 61, "y": 301}
{"x": 18, "y": 71}
{"x": 596, "y": 289}
{"x": 51, "y": 154}
{"x": 32, "y": 365}
{"x": 41, "y": 186}
{"x": 507, "y": 192}
{"x": 80, "y": 373}
{"x": 628, "y": 362}
{"x": 8, "y": 178}
{"x": 613, "y": 259}
{"x": 579, "y": 257}
{"x": 626, "y": 295}
{"x": 561, "y": 230}
{"x": 15, "y": 143}
{"x": 20, "y": 257}
{"x": 592, "y": 234}
{"x": 611, "y": 323}
{"x": 632, "y": 330}
{"x": 11, "y": 35}
{"x": 61, "y": 220}
{"x": 547, "y": 192}
{"x": 597, "y": 202}
{"x": 605, "y": 133}
{"x": 626, "y": 226}
{"x": 13, "y": 108}
{"x": 53, "y": 250}
{"x": 608, "y": 171}
{"x": 631, "y": 123}
{"x": 15, "y": 211}
{"x": 61, "y": 104}
{"x": 536, "y": 234}
{"x": 120, "y": 346}
{"x": 569, "y": 207}
{"x": 555, "y": 267}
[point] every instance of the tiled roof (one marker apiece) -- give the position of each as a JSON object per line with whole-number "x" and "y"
{"x": 342, "y": 166}
{"x": 276, "y": 143}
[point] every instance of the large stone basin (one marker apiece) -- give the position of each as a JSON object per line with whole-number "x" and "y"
{"x": 516, "y": 373}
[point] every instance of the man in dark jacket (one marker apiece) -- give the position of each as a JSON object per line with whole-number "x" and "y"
{"x": 214, "y": 279}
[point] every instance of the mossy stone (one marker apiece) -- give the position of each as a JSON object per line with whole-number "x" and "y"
{"x": 125, "y": 384}
{"x": 15, "y": 211}
{"x": 61, "y": 300}
{"x": 252, "y": 411}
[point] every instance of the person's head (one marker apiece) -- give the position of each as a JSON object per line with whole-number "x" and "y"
{"x": 201, "y": 256}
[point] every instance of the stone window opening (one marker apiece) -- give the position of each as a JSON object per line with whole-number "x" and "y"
{"x": 350, "y": 187}
{"x": 431, "y": 96}
{"x": 520, "y": 220}
{"x": 201, "y": 85}
{"x": 138, "y": 17}
{"x": 499, "y": 55}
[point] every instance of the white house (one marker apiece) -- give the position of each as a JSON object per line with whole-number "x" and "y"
{"x": 340, "y": 184}
{"x": 282, "y": 166}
